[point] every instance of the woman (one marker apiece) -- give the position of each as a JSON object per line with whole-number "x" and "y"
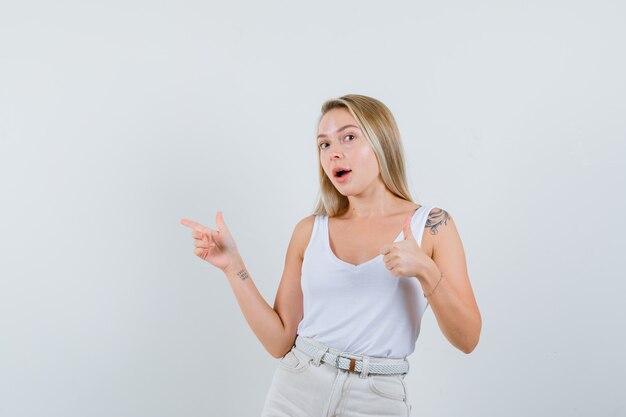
{"x": 359, "y": 274}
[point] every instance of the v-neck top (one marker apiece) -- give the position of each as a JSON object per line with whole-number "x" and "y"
{"x": 361, "y": 309}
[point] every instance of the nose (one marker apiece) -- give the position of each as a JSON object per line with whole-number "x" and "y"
{"x": 336, "y": 155}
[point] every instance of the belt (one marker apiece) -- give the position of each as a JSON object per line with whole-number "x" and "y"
{"x": 365, "y": 365}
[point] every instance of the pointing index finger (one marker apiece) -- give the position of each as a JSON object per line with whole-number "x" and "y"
{"x": 192, "y": 224}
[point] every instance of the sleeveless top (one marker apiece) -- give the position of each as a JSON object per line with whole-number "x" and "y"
{"x": 361, "y": 309}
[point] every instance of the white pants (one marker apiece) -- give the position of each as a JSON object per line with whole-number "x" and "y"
{"x": 300, "y": 388}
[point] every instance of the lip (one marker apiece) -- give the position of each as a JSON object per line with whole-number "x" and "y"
{"x": 345, "y": 177}
{"x": 337, "y": 169}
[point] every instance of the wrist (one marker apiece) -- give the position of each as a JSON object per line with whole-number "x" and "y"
{"x": 235, "y": 266}
{"x": 429, "y": 277}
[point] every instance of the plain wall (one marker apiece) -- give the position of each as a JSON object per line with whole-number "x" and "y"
{"x": 117, "y": 119}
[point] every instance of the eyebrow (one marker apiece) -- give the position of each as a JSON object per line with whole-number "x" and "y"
{"x": 339, "y": 130}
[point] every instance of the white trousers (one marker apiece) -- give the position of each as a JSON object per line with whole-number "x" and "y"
{"x": 301, "y": 388}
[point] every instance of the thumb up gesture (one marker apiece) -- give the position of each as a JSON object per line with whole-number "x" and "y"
{"x": 405, "y": 258}
{"x": 215, "y": 246}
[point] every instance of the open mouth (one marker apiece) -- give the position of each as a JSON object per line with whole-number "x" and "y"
{"x": 342, "y": 172}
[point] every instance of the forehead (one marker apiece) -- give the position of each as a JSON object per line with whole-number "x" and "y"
{"x": 335, "y": 119}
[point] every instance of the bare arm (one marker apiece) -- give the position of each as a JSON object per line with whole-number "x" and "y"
{"x": 452, "y": 301}
{"x": 274, "y": 327}
{"x": 264, "y": 321}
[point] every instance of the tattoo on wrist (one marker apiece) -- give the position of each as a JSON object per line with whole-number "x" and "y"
{"x": 436, "y": 218}
{"x": 243, "y": 275}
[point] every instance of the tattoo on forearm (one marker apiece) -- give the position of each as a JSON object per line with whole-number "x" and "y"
{"x": 243, "y": 275}
{"x": 436, "y": 218}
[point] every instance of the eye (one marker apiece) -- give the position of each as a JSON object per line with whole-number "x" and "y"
{"x": 323, "y": 145}
{"x": 349, "y": 136}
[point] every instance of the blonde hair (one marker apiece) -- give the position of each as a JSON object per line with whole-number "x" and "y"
{"x": 381, "y": 131}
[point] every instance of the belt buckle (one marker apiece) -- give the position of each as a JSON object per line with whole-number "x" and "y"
{"x": 352, "y": 358}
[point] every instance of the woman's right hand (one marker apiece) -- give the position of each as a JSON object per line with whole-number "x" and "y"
{"x": 214, "y": 246}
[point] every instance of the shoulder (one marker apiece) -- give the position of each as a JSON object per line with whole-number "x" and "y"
{"x": 437, "y": 220}
{"x": 439, "y": 230}
{"x": 302, "y": 234}
{"x": 305, "y": 226}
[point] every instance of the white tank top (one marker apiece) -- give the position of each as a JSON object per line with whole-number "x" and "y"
{"x": 361, "y": 309}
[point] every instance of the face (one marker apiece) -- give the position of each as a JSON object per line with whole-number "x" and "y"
{"x": 346, "y": 156}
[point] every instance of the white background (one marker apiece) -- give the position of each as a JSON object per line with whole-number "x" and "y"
{"x": 119, "y": 118}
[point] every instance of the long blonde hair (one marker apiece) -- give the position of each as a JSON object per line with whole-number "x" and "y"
{"x": 381, "y": 131}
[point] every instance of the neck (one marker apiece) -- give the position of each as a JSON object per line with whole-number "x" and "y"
{"x": 374, "y": 202}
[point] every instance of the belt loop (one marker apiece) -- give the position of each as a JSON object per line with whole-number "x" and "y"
{"x": 314, "y": 349}
{"x": 318, "y": 355}
{"x": 365, "y": 367}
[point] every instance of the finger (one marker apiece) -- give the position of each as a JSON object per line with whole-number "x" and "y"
{"x": 192, "y": 224}
{"x": 392, "y": 259}
{"x": 219, "y": 220}
{"x": 406, "y": 228}
{"x": 390, "y": 264}
{"x": 215, "y": 235}
{"x": 200, "y": 234}
{"x": 205, "y": 244}
{"x": 201, "y": 243}
{"x": 385, "y": 249}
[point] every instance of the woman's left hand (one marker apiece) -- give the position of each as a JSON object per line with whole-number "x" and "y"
{"x": 406, "y": 258}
